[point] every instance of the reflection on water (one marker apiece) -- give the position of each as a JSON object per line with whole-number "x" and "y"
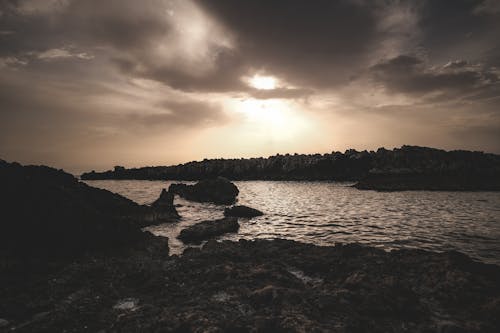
{"x": 324, "y": 213}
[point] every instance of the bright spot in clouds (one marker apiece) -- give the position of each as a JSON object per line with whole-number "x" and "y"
{"x": 263, "y": 82}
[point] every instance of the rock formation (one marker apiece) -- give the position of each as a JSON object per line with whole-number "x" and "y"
{"x": 208, "y": 229}
{"x": 259, "y": 286}
{"x": 242, "y": 211}
{"x": 48, "y": 210}
{"x": 218, "y": 190}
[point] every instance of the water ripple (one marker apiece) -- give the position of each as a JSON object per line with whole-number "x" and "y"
{"x": 325, "y": 213}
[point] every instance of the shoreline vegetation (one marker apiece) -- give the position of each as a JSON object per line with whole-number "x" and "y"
{"x": 405, "y": 168}
{"x": 75, "y": 258}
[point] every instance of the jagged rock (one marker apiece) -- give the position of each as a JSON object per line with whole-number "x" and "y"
{"x": 218, "y": 190}
{"x": 252, "y": 286}
{"x": 208, "y": 229}
{"x": 45, "y": 210}
{"x": 165, "y": 203}
{"x": 242, "y": 211}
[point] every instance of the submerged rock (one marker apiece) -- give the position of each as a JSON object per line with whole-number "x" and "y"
{"x": 208, "y": 229}
{"x": 242, "y": 211}
{"x": 219, "y": 191}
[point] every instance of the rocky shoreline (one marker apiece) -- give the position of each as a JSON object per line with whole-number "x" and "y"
{"x": 256, "y": 286}
{"x": 405, "y": 168}
{"x": 74, "y": 259}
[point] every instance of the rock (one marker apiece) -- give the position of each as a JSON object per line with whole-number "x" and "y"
{"x": 242, "y": 211}
{"x": 219, "y": 191}
{"x": 127, "y": 304}
{"x": 49, "y": 212}
{"x": 165, "y": 203}
{"x": 252, "y": 286}
{"x": 208, "y": 229}
{"x": 3, "y": 323}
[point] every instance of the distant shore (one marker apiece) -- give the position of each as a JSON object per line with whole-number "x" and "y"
{"x": 405, "y": 168}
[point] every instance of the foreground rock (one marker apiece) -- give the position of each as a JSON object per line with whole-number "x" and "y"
{"x": 48, "y": 211}
{"x": 208, "y": 229}
{"x": 218, "y": 190}
{"x": 259, "y": 286}
{"x": 242, "y": 211}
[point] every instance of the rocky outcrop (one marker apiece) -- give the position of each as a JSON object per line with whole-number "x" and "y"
{"x": 242, "y": 211}
{"x": 165, "y": 204}
{"x": 258, "y": 286}
{"x": 208, "y": 229}
{"x": 480, "y": 170}
{"x": 218, "y": 190}
{"x": 45, "y": 210}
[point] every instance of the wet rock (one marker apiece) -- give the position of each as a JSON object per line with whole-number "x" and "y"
{"x": 3, "y": 323}
{"x": 218, "y": 190}
{"x": 127, "y": 304}
{"x": 260, "y": 286}
{"x": 165, "y": 204}
{"x": 208, "y": 229}
{"x": 242, "y": 211}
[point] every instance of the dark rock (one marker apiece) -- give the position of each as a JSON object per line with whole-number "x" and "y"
{"x": 208, "y": 229}
{"x": 165, "y": 204}
{"x": 218, "y": 190}
{"x": 242, "y": 211}
{"x": 253, "y": 286}
{"x": 48, "y": 211}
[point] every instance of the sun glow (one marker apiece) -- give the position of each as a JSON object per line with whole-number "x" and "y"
{"x": 276, "y": 120}
{"x": 263, "y": 82}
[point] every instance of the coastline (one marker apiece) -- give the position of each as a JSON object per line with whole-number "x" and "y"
{"x": 88, "y": 267}
{"x": 259, "y": 286}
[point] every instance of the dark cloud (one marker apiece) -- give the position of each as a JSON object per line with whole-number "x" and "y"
{"x": 308, "y": 44}
{"x": 411, "y": 75}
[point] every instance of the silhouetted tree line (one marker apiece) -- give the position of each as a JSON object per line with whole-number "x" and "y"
{"x": 351, "y": 165}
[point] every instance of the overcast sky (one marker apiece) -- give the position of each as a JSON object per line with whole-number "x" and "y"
{"x": 89, "y": 84}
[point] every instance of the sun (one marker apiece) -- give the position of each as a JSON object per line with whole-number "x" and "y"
{"x": 263, "y": 82}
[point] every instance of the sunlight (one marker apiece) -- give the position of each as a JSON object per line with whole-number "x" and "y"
{"x": 270, "y": 119}
{"x": 263, "y": 82}
{"x": 270, "y": 112}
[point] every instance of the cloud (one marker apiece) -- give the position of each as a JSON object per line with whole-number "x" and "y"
{"x": 52, "y": 54}
{"x": 411, "y": 75}
{"x": 78, "y": 76}
{"x": 184, "y": 114}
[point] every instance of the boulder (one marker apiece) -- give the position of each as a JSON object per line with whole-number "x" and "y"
{"x": 165, "y": 204}
{"x": 219, "y": 191}
{"x": 208, "y": 229}
{"x": 242, "y": 211}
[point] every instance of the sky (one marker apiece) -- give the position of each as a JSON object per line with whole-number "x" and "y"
{"x": 89, "y": 84}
